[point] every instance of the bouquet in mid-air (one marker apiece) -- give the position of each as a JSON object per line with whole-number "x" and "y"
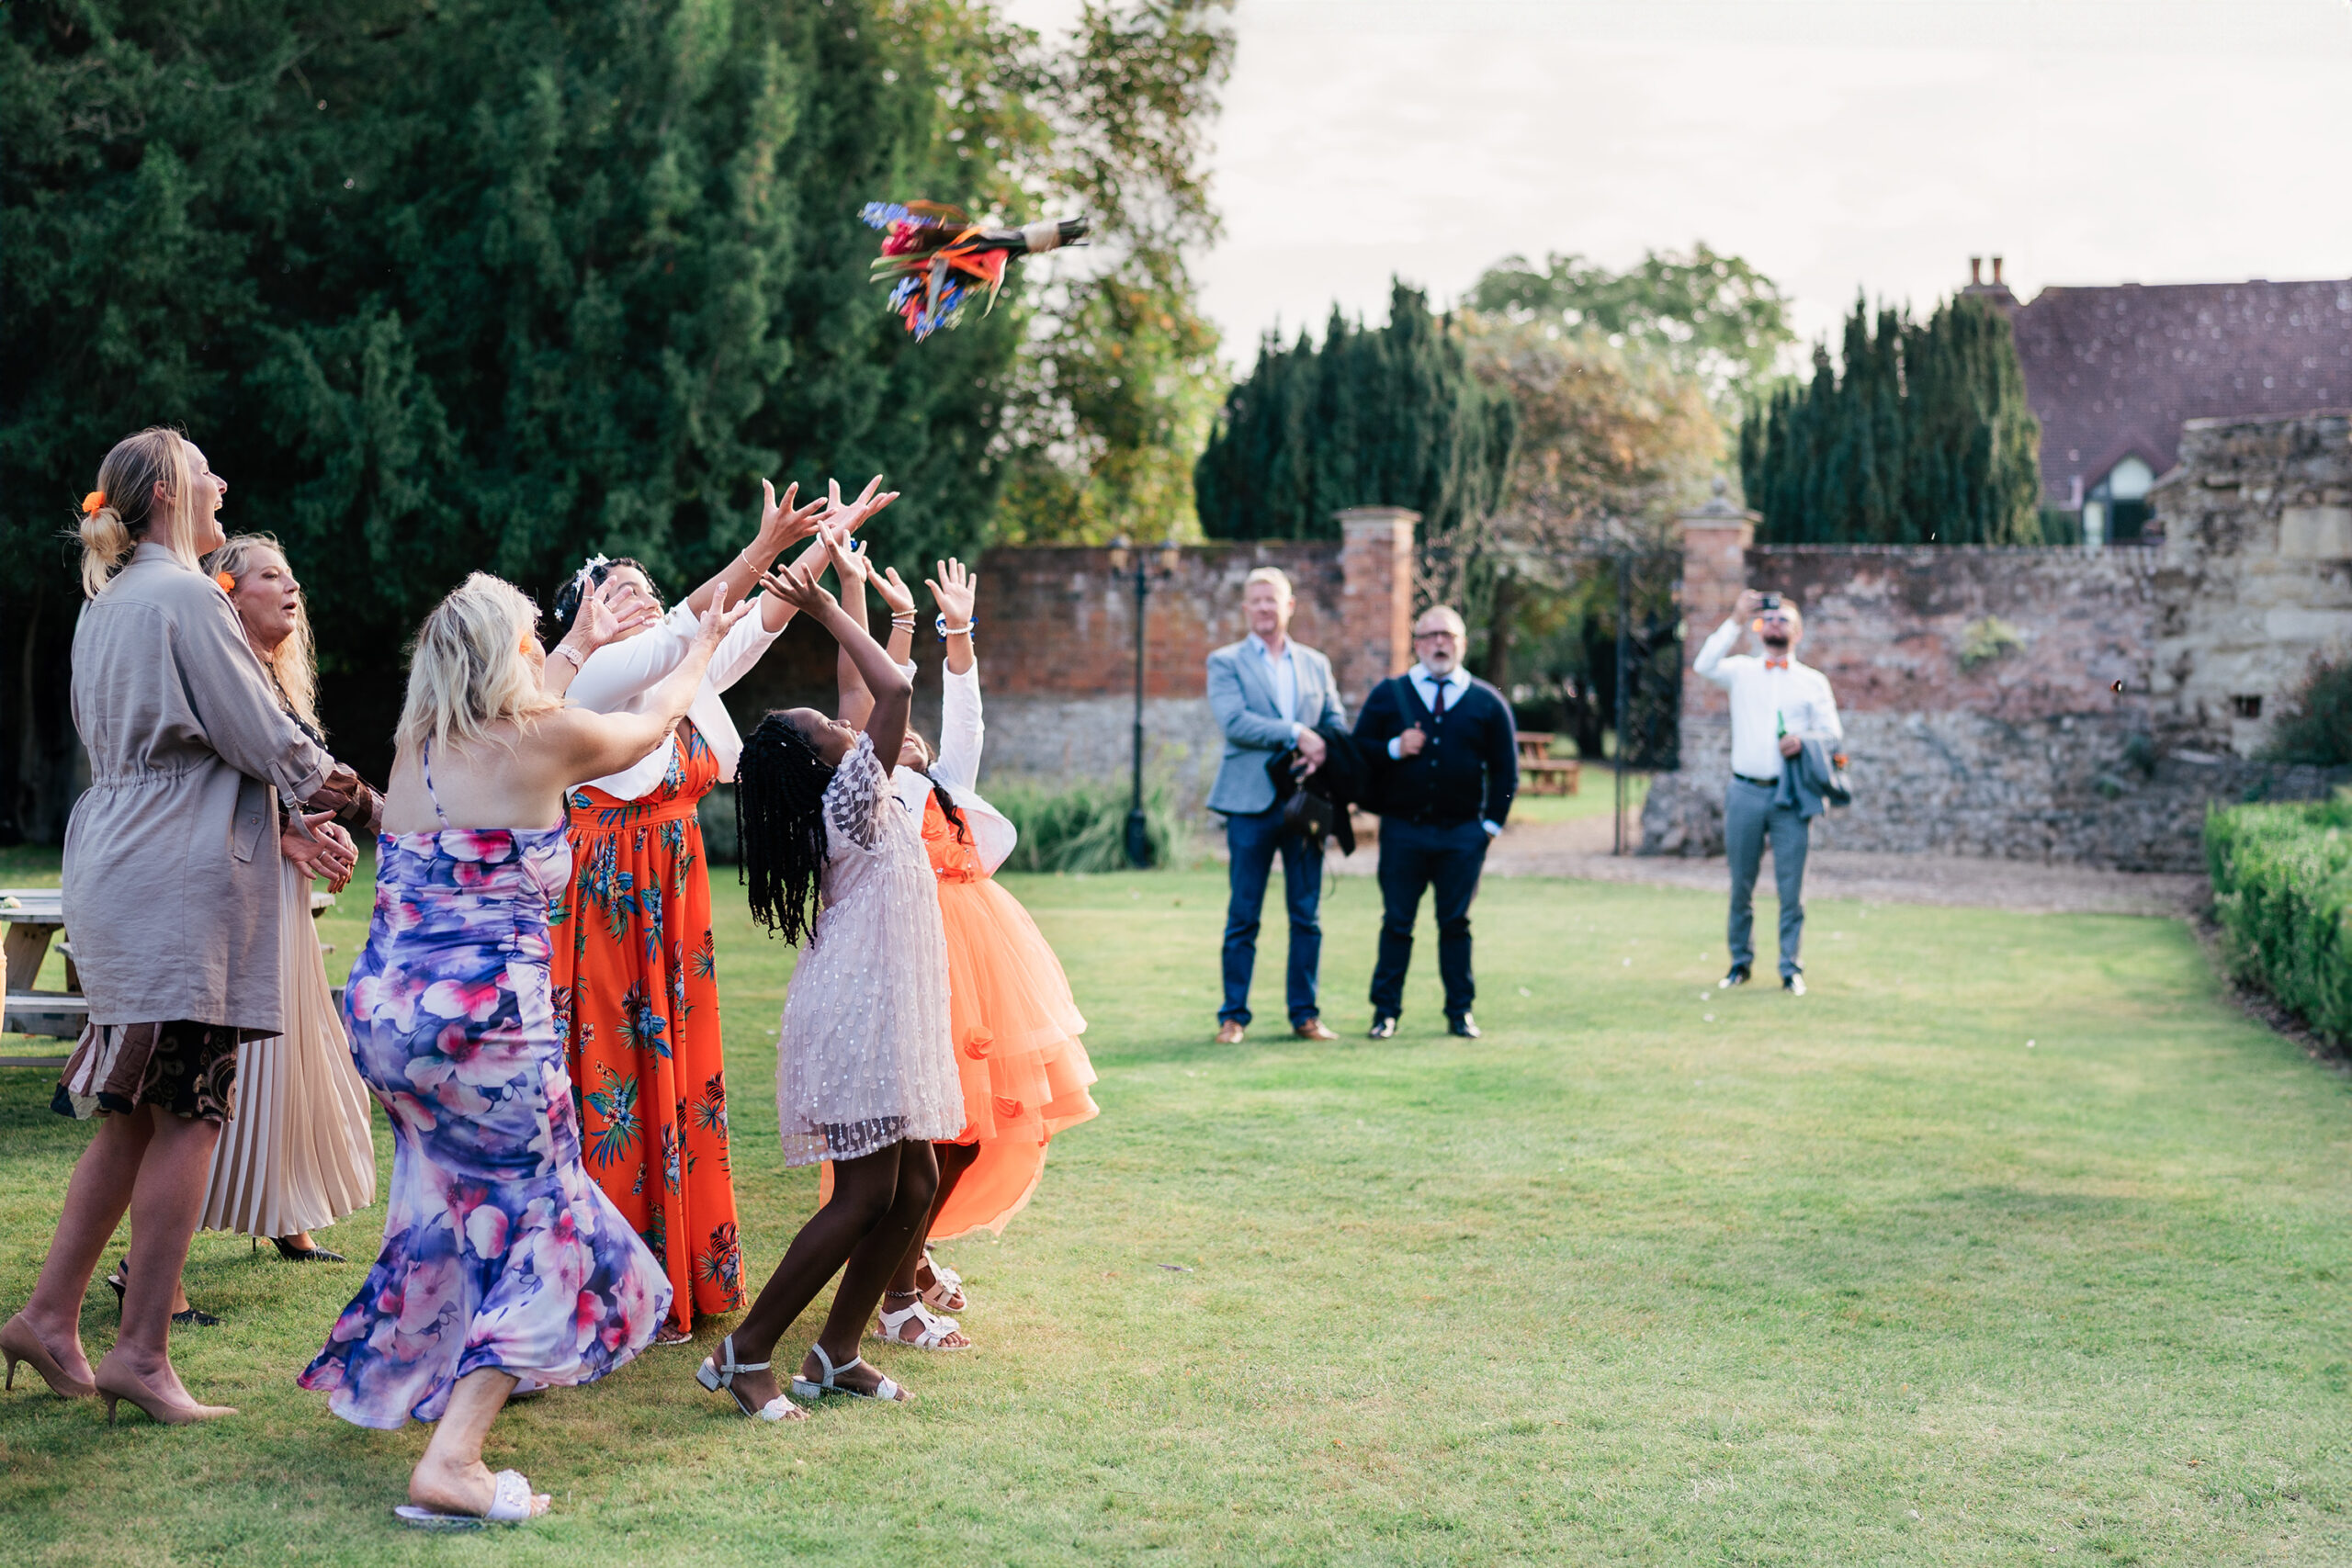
{"x": 939, "y": 258}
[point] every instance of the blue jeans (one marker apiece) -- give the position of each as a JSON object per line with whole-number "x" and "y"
{"x": 1415, "y": 856}
{"x": 1749, "y": 817}
{"x": 1252, "y": 838}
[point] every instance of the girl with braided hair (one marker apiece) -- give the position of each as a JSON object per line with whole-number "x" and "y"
{"x": 866, "y": 1076}
{"x": 636, "y": 966}
{"x": 1014, "y": 1024}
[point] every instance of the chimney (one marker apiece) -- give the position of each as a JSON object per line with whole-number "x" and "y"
{"x": 1997, "y": 272}
{"x": 1975, "y": 272}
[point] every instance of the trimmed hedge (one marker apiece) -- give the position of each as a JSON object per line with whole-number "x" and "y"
{"x": 2282, "y": 893}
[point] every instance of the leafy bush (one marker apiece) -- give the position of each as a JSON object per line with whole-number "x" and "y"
{"x": 2282, "y": 892}
{"x": 2317, "y": 726}
{"x": 1082, "y": 826}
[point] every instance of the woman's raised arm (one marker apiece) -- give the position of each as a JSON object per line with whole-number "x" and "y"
{"x": 886, "y": 723}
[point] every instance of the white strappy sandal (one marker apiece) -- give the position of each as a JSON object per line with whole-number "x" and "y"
{"x": 717, "y": 1371}
{"x": 945, "y": 1291}
{"x": 510, "y": 1503}
{"x": 936, "y": 1329}
{"x": 804, "y": 1389}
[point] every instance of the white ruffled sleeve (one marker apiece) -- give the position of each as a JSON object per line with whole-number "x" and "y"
{"x": 854, "y": 800}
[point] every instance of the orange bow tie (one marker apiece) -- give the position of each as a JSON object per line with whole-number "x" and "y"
{"x": 1776, "y": 664}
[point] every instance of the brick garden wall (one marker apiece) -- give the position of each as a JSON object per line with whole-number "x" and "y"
{"x": 1057, "y": 649}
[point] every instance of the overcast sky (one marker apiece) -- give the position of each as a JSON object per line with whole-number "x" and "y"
{"x": 1837, "y": 144}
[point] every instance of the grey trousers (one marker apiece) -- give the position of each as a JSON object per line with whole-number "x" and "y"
{"x": 1749, "y": 817}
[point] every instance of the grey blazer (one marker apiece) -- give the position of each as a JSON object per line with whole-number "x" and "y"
{"x": 172, "y": 875}
{"x": 1241, "y": 694}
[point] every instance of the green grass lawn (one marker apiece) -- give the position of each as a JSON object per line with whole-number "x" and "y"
{"x": 2014, "y": 1241}
{"x": 1596, "y": 796}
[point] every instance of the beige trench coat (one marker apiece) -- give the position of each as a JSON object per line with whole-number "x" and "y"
{"x": 170, "y": 884}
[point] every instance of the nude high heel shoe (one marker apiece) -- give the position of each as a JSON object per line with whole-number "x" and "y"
{"x": 19, "y": 1343}
{"x": 113, "y": 1385}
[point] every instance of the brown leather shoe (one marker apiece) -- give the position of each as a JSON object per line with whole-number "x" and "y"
{"x": 1230, "y": 1033}
{"x": 1313, "y": 1029}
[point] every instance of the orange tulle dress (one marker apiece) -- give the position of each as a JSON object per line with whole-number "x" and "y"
{"x": 636, "y": 991}
{"x": 1015, "y": 1027}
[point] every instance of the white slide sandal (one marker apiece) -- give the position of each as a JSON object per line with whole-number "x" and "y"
{"x": 510, "y": 1503}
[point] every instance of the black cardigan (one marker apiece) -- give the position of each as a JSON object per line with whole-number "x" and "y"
{"x": 1469, "y": 768}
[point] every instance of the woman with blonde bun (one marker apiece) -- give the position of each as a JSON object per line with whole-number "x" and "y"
{"x": 172, "y": 896}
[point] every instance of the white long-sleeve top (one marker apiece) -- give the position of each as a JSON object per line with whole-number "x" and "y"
{"x": 618, "y": 677}
{"x": 1767, "y": 696}
{"x": 957, "y": 768}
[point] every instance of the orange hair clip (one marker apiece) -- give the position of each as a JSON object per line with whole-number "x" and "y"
{"x": 228, "y": 583}
{"x": 92, "y": 500}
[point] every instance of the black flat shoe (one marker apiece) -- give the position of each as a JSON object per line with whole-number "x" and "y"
{"x": 293, "y": 1254}
{"x": 1382, "y": 1028}
{"x": 1463, "y": 1028}
{"x": 1738, "y": 976}
{"x": 192, "y": 1318}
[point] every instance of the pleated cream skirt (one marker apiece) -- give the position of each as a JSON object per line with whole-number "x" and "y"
{"x": 298, "y": 1152}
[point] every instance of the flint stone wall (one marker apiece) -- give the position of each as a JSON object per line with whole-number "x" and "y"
{"x": 2053, "y": 705}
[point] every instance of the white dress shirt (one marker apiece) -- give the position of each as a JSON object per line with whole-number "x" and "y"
{"x": 1282, "y": 673}
{"x": 1426, "y": 685}
{"x": 1768, "y": 698}
{"x": 618, "y": 677}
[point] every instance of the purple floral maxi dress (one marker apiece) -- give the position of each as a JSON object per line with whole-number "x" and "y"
{"x": 499, "y": 1250}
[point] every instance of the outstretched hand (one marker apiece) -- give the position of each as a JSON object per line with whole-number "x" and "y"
{"x": 850, "y": 517}
{"x": 712, "y": 626}
{"x": 615, "y": 610}
{"x": 798, "y": 586}
{"x": 782, "y": 524}
{"x": 891, "y": 590}
{"x": 954, "y": 590}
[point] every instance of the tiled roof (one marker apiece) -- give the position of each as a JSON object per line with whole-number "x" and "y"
{"x": 2114, "y": 370}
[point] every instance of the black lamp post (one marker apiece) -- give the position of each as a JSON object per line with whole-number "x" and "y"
{"x": 1126, "y": 558}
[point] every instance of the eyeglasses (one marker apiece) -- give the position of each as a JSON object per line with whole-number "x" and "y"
{"x": 1426, "y": 636}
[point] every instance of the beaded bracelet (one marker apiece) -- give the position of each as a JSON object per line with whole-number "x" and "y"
{"x": 963, "y": 630}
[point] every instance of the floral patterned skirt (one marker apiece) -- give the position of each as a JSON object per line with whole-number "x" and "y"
{"x": 499, "y": 1250}
{"x": 636, "y": 991}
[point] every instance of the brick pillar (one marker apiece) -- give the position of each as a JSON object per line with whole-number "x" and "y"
{"x": 1376, "y": 599}
{"x": 1715, "y": 539}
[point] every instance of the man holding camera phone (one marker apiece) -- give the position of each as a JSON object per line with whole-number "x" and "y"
{"x": 1777, "y": 705}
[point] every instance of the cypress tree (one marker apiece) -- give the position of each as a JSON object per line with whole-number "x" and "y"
{"x": 1926, "y": 436}
{"x": 1370, "y": 417}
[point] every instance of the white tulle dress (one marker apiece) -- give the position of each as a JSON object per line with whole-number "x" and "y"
{"x": 863, "y": 1056}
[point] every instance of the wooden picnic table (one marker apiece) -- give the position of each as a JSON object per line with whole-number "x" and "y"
{"x": 1540, "y": 773}
{"x": 35, "y": 917}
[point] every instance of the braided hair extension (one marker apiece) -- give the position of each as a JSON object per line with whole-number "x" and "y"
{"x": 947, "y": 807}
{"x": 780, "y": 814}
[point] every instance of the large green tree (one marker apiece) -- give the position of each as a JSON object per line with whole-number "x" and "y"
{"x": 1697, "y": 313}
{"x": 450, "y": 284}
{"x": 1372, "y": 416}
{"x": 1120, "y": 380}
{"x": 1923, "y": 437}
